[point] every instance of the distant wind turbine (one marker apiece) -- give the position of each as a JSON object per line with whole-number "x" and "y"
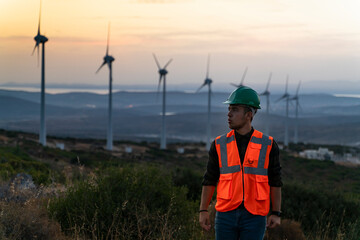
{"x": 296, "y": 99}
{"x": 208, "y": 82}
{"x": 108, "y": 60}
{"x": 41, "y": 39}
{"x": 286, "y": 97}
{"x": 242, "y": 79}
{"x": 162, "y": 72}
{"x": 267, "y": 94}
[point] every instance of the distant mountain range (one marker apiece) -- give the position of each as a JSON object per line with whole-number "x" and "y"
{"x": 324, "y": 118}
{"x": 307, "y": 87}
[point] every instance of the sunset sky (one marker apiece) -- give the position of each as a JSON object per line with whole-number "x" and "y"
{"x": 309, "y": 40}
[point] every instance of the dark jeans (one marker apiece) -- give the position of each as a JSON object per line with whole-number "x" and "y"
{"x": 239, "y": 224}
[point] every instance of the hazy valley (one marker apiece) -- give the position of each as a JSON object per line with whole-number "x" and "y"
{"x": 322, "y": 118}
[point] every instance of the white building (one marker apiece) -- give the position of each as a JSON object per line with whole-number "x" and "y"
{"x": 321, "y": 154}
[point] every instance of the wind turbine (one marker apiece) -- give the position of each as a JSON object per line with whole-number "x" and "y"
{"x": 242, "y": 79}
{"x": 267, "y": 94}
{"x": 108, "y": 60}
{"x": 286, "y": 96}
{"x": 208, "y": 82}
{"x": 162, "y": 72}
{"x": 41, "y": 39}
{"x": 296, "y": 99}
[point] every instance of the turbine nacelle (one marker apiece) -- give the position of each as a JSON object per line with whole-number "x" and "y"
{"x": 285, "y": 96}
{"x": 208, "y": 81}
{"x": 163, "y": 72}
{"x": 40, "y": 39}
{"x": 294, "y": 98}
{"x": 109, "y": 59}
{"x": 266, "y": 93}
{"x": 237, "y": 85}
{"x": 242, "y": 79}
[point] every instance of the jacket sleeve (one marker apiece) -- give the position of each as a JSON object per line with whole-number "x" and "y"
{"x": 274, "y": 170}
{"x": 212, "y": 173}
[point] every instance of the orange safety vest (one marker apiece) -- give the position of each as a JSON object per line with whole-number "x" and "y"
{"x": 246, "y": 183}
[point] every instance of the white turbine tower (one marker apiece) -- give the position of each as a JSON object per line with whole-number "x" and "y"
{"x": 162, "y": 72}
{"x": 267, "y": 94}
{"x": 108, "y": 60}
{"x": 286, "y": 96}
{"x": 208, "y": 82}
{"x": 297, "y": 105}
{"x": 242, "y": 79}
{"x": 41, "y": 39}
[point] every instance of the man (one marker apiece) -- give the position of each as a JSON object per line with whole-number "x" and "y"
{"x": 244, "y": 165}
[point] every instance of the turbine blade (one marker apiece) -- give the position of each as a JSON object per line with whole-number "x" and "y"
{"x": 159, "y": 83}
{"x": 263, "y": 93}
{"x": 167, "y": 64}
{"x": 243, "y": 77}
{"x": 36, "y": 45}
{"x": 291, "y": 103}
{"x": 235, "y": 85}
{"x": 268, "y": 83}
{"x": 208, "y": 65}
{"x": 157, "y": 62}
{"x": 281, "y": 98}
{"x": 38, "y": 55}
{"x": 298, "y": 104}
{"x": 108, "y": 37}
{"x": 200, "y": 87}
{"x": 297, "y": 90}
{"x": 39, "y": 18}
{"x": 100, "y": 67}
{"x": 287, "y": 81}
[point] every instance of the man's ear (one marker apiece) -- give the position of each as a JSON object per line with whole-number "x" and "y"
{"x": 250, "y": 115}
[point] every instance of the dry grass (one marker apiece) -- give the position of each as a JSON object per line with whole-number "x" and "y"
{"x": 27, "y": 220}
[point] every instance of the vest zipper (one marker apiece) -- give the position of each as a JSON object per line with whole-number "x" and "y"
{"x": 243, "y": 184}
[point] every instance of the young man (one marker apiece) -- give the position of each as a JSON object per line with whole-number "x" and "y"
{"x": 244, "y": 165}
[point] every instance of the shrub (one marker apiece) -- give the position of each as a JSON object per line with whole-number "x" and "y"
{"x": 27, "y": 221}
{"x": 128, "y": 203}
{"x": 191, "y": 180}
{"x": 321, "y": 213}
{"x": 14, "y": 160}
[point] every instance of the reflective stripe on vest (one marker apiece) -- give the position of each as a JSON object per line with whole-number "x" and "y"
{"x": 259, "y": 170}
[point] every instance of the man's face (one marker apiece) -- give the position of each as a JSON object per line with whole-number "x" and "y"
{"x": 238, "y": 116}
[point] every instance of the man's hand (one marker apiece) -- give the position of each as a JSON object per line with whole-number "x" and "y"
{"x": 204, "y": 220}
{"x": 273, "y": 221}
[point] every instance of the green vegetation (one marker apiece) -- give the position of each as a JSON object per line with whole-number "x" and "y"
{"x": 127, "y": 203}
{"x": 13, "y": 160}
{"x": 324, "y": 175}
{"x": 154, "y": 194}
{"x": 323, "y": 215}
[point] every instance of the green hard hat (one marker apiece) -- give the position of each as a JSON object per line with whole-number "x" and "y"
{"x": 245, "y": 96}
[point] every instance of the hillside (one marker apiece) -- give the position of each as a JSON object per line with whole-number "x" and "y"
{"x": 90, "y": 153}
{"x": 84, "y": 161}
